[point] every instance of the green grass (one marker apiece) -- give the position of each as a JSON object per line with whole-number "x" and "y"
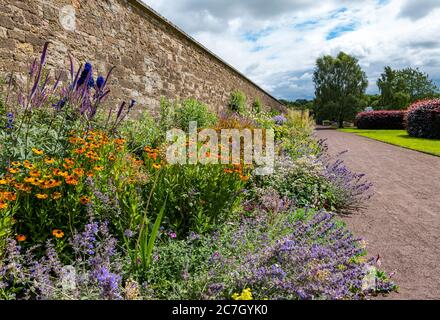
{"x": 399, "y": 138}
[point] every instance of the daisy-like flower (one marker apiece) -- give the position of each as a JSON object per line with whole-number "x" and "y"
{"x": 84, "y": 200}
{"x": 34, "y": 174}
{"x": 79, "y": 172}
{"x": 49, "y": 160}
{"x": 244, "y": 178}
{"x": 38, "y": 152}
{"x": 111, "y": 157}
{"x": 3, "y": 205}
{"x": 14, "y": 170}
{"x": 56, "y": 195}
{"x": 3, "y": 182}
{"x": 42, "y": 196}
{"x": 16, "y": 164}
{"x": 57, "y": 233}
{"x": 98, "y": 168}
{"x": 157, "y": 166}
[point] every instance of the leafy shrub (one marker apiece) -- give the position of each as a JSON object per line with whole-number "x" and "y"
{"x": 237, "y": 102}
{"x": 140, "y": 132}
{"x": 384, "y": 119}
{"x": 257, "y": 106}
{"x": 193, "y": 110}
{"x": 423, "y": 119}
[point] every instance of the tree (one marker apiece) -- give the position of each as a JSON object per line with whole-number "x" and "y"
{"x": 340, "y": 86}
{"x": 399, "y": 88}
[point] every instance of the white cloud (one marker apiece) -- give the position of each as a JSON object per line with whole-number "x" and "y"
{"x": 276, "y": 43}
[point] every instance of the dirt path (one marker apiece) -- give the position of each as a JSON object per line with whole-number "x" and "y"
{"x": 401, "y": 222}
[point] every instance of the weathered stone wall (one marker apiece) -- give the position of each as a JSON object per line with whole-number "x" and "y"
{"x": 152, "y": 58}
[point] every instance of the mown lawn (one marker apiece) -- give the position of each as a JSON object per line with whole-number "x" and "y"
{"x": 399, "y": 138}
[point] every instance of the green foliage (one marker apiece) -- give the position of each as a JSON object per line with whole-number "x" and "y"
{"x": 340, "y": 86}
{"x": 141, "y": 132}
{"x": 193, "y": 110}
{"x": 237, "y": 102}
{"x": 299, "y": 104}
{"x": 399, "y": 88}
{"x": 257, "y": 106}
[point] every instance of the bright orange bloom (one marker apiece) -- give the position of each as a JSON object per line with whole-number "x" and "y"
{"x": 228, "y": 170}
{"x": 34, "y": 173}
{"x": 49, "y": 161}
{"x": 29, "y": 166}
{"x": 79, "y": 172}
{"x": 14, "y": 170}
{"x": 111, "y": 157}
{"x": 244, "y": 178}
{"x": 3, "y": 181}
{"x": 79, "y": 151}
{"x": 71, "y": 181}
{"x": 119, "y": 141}
{"x": 9, "y": 196}
{"x": 16, "y": 164}
{"x": 21, "y": 238}
{"x": 147, "y": 149}
{"x": 57, "y": 233}
{"x": 42, "y": 196}
{"x": 90, "y": 174}
{"x": 3, "y": 205}
{"x": 38, "y": 152}
{"x": 56, "y": 195}
{"x": 84, "y": 200}
{"x": 98, "y": 168}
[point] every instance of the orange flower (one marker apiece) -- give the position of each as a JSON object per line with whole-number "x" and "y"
{"x": 111, "y": 157}
{"x": 79, "y": 151}
{"x": 57, "y": 233}
{"x": 29, "y": 166}
{"x": 147, "y": 149}
{"x": 3, "y": 181}
{"x": 3, "y": 205}
{"x": 49, "y": 161}
{"x": 90, "y": 174}
{"x": 56, "y": 195}
{"x": 21, "y": 238}
{"x": 156, "y": 166}
{"x": 79, "y": 172}
{"x": 84, "y": 200}
{"x": 71, "y": 181}
{"x": 244, "y": 178}
{"x": 42, "y": 196}
{"x": 228, "y": 170}
{"x": 9, "y": 196}
{"x": 98, "y": 168}
{"x": 38, "y": 152}
{"x": 14, "y": 170}
{"x": 119, "y": 141}
{"x": 16, "y": 164}
{"x": 34, "y": 173}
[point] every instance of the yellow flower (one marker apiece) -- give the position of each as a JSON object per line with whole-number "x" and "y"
{"x": 111, "y": 157}
{"x": 42, "y": 196}
{"x": 21, "y": 238}
{"x": 57, "y": 233}
{"x": 3, "y": 181}
{"x": 156, "y": 166}
{"x": 9, "y": 196}
{"x": 3, "y": 205}
{"x": 34, "y": 173}
{"x": 79, "y": 172}
{"x": 56, "y": 195}
{"x": 246, "y": 294}
{"x": 16, "y": 164}
{"x": 244, "y": 178}
{"x": 98, "y": 168}
{"x": 38, "y": 152}
{"x": 49, "y": 160}
{"x": 14, "y": 170}
{"x": 84, "y": 200}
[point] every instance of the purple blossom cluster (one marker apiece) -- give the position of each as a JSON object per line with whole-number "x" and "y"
{"x": 279, "y": 120}
{"x": 97, "y": 268}
{"x": 315, "y": 260}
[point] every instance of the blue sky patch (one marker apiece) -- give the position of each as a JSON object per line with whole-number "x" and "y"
{"x": 340, "y": 30}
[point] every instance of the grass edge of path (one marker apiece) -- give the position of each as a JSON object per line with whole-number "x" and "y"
{"x": 398, "y": 138}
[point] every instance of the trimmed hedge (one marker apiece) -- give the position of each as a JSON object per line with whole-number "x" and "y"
{"x": 423, "y": 119}
{"x": 386, "y": 119}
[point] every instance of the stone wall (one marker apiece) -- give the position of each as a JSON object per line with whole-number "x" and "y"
{"x": 152, "y": 57}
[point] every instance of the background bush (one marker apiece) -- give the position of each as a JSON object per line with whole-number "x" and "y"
{"x": 193, "y": 110}
{"x": 384, "y": 119}
{"x": 237, "y": 102}
{"x": 423, "y": 119}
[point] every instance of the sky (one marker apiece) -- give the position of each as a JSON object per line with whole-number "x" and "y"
{"x": 275, "y": 43}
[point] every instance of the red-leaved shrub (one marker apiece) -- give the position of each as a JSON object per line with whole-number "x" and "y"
{"x": 423, "y": 119}
{"x": 386, "y": 119}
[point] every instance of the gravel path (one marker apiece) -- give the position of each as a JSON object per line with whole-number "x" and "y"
{"x": 401, "y": 222}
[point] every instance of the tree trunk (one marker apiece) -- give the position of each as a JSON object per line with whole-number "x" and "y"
{"x": 341, "y": 123}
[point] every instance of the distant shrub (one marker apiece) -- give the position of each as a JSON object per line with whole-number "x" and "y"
{"x": 193, "y": 110}
{"x": 237, "y": 101}
{"x": 394, "y": 119}
{"x": 257, "y": 106}
{"x": 423, "y": 119}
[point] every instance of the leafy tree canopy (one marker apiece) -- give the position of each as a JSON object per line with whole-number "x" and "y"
{"x": 340, "y": 86}
{"x": 399, "y": 88}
